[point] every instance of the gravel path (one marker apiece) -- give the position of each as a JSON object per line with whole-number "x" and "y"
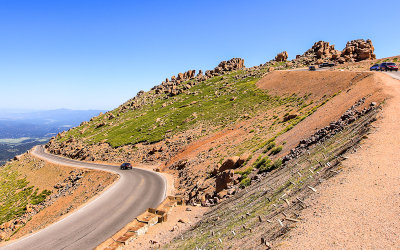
{"x": 359, "y": 208}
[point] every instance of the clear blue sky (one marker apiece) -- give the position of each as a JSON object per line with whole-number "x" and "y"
{"x": 96, "y": 54}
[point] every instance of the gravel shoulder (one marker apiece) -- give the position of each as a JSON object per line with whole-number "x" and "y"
{"x": 360, "y": 208}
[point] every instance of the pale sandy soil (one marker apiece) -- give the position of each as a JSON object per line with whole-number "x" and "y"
{"x": 162, "y": 233}
{"x": 359, "y": 208}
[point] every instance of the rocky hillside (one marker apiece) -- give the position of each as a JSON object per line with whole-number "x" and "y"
{"x": 209, "y": 129}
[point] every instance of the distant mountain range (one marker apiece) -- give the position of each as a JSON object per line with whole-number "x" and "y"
{"x": 21, "y": 130}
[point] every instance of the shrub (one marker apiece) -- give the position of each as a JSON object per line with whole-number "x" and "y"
{"x": 245, "y": 172}
{"x": 39, "y": 198}
{"x": 269, "y": 146}
{"x": 262, "y": 162}
{"x": 277, "y": 164}
{"x": 245, "y": 182}
{"x": 276, "y": 150}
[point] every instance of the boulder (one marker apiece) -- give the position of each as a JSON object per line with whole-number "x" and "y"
{"x": 358, "y": 50}
{"x": 289, "y": 117}
{"x": 243, "y": 158}
{"x": 230, "y": 163}
{"x": 281, "y": 57}
{"x": 222, "y": 194}
{"x": 224, "y": 180}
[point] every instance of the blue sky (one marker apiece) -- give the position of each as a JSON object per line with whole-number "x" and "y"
{"x": 96, "y": 54}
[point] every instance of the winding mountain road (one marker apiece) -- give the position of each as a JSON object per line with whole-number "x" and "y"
{"x": 134, "y": 192}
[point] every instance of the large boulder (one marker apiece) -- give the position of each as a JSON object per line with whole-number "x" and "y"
{"x": 359, "y": 50}
{"x": 281, "y": 57}
{"x": 224, "y": 180}
{"x": 230, "y": 163}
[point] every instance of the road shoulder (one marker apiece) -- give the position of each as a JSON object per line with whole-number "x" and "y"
{"x": 360, "y": 208}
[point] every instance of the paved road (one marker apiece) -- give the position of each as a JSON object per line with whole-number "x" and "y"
{"x": 86, "y": 228}
{"x": 394, "y": 74}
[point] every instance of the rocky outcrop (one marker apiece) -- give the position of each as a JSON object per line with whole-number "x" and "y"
{"x": 281, "y": 57}
{"x": 230, "y": 163}
{"x": 321, "y": 51}
{"x": 225, "y": 67}
{"x": 182, "y": 83}
{"x": 356, "y": 50}
{"x": 224, "y": 180}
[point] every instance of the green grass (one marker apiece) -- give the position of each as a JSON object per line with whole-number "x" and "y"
{"x": 245, "y": 182}
{"x": 276, "y": 150}
{"x": 245, "y": 172}
{"x": 200, "y": 106}
{"x": 270, "y": 146}
{"x": 15, "y": 194}
{"x": 262, "y": 162}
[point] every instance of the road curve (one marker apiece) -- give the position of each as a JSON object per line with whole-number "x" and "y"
{"x": 134, "y": 192}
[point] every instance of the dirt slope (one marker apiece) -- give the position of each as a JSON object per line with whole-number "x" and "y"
{"x": 361, "y": 207}
{"x": 349, "y": 87}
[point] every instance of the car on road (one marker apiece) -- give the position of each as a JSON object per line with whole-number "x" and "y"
{"x": 325, "y": 64}
{"x": 311, "y": 68}
{"x": 126, "y": 166}
{"x": 374, "y": 67}
{"x": 388, "y": 66}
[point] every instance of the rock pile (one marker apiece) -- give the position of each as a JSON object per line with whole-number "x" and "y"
{"x": 225, "y": 67}
{"x": 281, "y": 57}
{"x": 69, "y": 184}
{"x": 180, "y": 84}
{"x": 356, "y": 50}
{"x": 351, "y": 115}
{"x": 319, "y": 52}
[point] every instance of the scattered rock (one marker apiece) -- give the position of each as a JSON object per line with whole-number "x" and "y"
{"x": 351, "y": 115}
{"x": 288, "y": 117}
{"x": 182, "y": 221}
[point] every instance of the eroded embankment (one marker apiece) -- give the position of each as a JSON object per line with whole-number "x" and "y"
{"x": 360, "y": 207}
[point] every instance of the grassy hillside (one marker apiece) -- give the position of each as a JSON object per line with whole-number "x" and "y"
{"x": 215, "y": 103}
{"x": 16, "y": 194}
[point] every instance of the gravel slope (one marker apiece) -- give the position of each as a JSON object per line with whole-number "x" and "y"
{"x": 359, "y": 208}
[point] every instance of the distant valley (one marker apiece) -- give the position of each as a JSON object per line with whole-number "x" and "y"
{"x": 21, "y": 130}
